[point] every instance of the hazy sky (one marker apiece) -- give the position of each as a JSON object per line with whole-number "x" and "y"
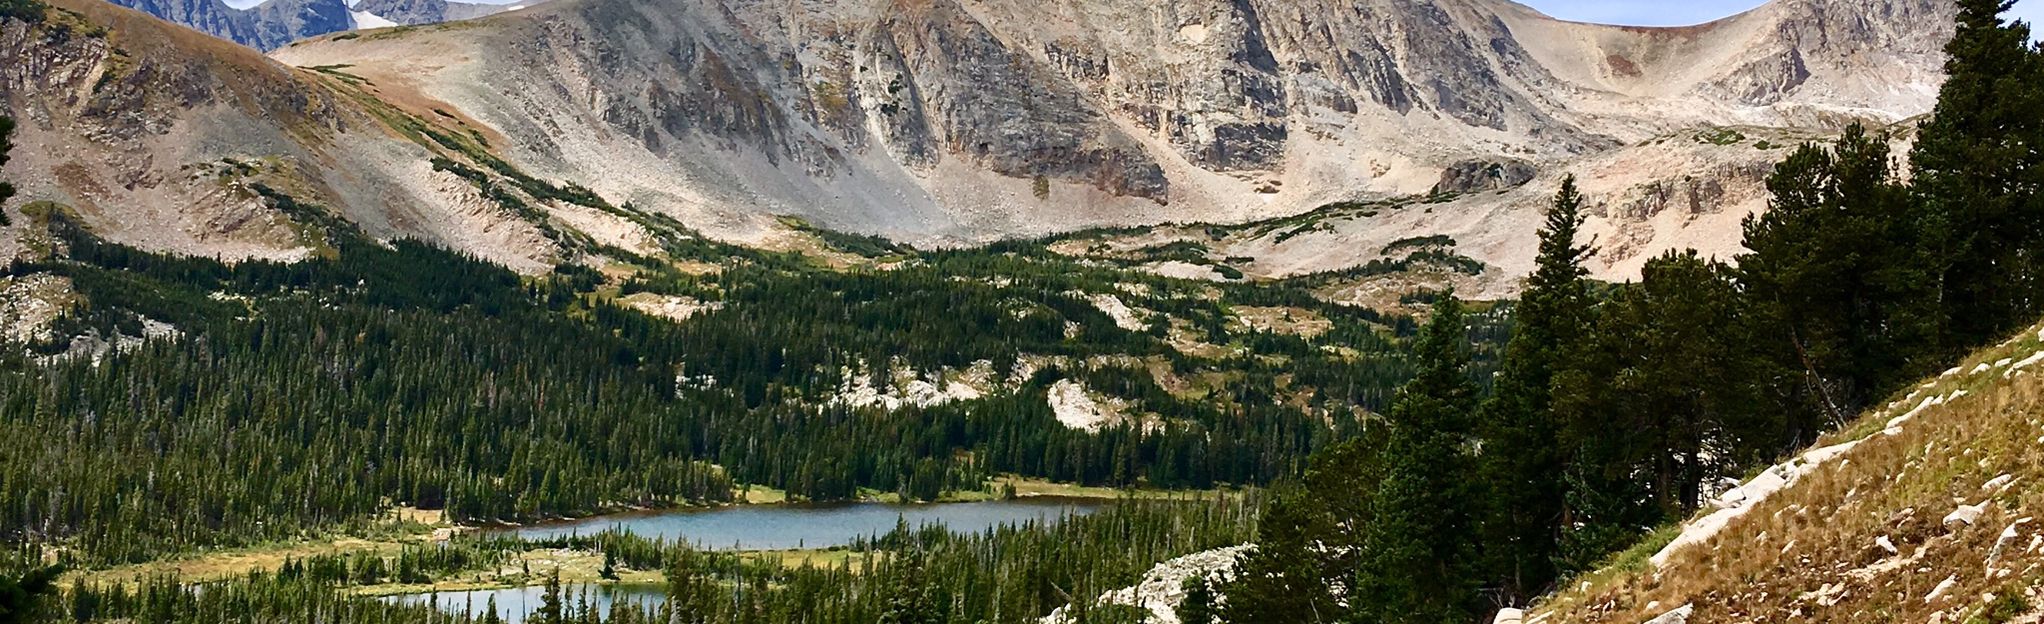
{"x": 1686, "y": 12}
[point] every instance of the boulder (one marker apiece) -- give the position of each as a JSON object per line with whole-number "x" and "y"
{"x": 1679, "y": 615}
{"x": 1479, "y": 175}
{"x": 1964, "y": 516}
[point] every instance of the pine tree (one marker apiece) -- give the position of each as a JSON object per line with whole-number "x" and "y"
{"x": 490, "y": 615}
{"x": 1288, "y": 576}
{"x": 551, "y": 610}
{"x": 22, "y": 598}
{"x": 609, "y": 571}
{"x": 1521, "y": 460}
{"x": 1415, "y": 560}
{"x": 911, "y": 601}
{"x": 1832, "y": 264}
{"x": 1696, "y": 405}
{"x": 1978, "y": 169}
{"x": 1198, "y": 605}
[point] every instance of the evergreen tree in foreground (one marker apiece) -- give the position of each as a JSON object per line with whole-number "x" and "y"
{"x": 1310, "y": 538}
{"x": 1833, "y": 266}
{"x": 1198, "y": 606}
{"x": 1521, "y": 461}
{"x": 1978, "y": 170}
{"x": 1416, "y": 548}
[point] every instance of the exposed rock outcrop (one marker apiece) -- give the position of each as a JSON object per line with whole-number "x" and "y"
{"x": 1478, "y": 175}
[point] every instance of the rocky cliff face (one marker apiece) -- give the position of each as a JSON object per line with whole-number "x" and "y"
{"x": 264, "y": 26}
{"x": 959, "y": 121}
{"x": 277, "y": 22}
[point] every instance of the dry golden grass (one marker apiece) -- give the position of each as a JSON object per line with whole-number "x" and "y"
{"x": 1025, "y": 487}
{"x": 1809, "y": 553}
{"x": 821, "y": 559}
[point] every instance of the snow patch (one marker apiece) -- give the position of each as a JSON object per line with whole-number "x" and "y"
{"x": 365, "y": 19}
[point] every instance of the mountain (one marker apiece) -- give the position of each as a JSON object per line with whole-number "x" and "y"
{"x": 945, "y": 122}
{"x": 956, "y": 121}
{"x": 162, "y": 136}
{"x": 416, "y": 12}
{"x": 278, "y": 22}
{"x": 264, "y": 26}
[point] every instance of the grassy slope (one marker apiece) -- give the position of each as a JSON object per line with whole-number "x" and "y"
{"x": 1810, "y": 552}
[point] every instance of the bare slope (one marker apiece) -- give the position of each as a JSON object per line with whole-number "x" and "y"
{"x": 968, "y": 120}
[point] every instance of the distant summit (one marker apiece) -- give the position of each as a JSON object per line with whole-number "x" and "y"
{"x": 274, "y": 23}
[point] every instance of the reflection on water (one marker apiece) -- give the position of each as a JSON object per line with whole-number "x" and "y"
{"x": 781, "y": 527}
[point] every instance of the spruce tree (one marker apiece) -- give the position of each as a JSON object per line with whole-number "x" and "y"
{"x": 551, "y": 609}
{"x": 911, "y": 600}
{"x": 23, "y": 597}
{"x": 1521, "y": 460}
{"x": 1198, "y": 605}
{"x": 1415, "y": 561}
{"x": 1286, "y": 578}
{"x": 1978, "y": 172}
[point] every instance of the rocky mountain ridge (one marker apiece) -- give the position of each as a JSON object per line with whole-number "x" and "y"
{"x": 275, "y": 23}
{"x": 962, "y": 121}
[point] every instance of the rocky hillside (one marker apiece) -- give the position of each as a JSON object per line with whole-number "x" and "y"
{"x": 946, "y": 121}
{"x": 264, "y": 26}
{"x": 174, "y": 140}
{"x": 1919, "y": 512}
{"x": 961, "y": 121}
{"x": 277, "y": 22}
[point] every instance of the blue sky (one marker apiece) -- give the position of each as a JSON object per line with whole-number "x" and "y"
{"x": 1686, "y": 12}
